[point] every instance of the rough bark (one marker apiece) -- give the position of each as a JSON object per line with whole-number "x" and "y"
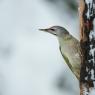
{"x": 87, "y": 42}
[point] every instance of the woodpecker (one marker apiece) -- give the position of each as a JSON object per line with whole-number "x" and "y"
{"x": 69, "y": 47}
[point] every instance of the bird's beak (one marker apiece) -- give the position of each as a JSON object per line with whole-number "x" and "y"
{"x": 48, "y": 30}
{"x": 45, "y": 30}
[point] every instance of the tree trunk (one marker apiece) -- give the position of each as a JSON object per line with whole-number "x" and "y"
{"x": 87, "y": 42}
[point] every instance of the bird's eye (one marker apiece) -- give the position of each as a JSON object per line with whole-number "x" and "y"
{"x": 52, "y": 29}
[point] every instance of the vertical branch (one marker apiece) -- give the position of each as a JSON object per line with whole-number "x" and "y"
{"x": 87, "y": 42}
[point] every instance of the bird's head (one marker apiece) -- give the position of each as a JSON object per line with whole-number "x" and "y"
{"x": 56, "y": 30}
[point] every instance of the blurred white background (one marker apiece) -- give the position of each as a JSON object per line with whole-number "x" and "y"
{"x": 30, "y": 60}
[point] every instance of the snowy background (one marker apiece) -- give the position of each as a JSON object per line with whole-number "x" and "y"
{"x": 30, "y": 60}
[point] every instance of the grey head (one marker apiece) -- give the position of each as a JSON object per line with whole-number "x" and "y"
{"x": 56, "y": 30}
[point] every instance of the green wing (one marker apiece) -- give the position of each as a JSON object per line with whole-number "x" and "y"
{"x": 68, "y": 63}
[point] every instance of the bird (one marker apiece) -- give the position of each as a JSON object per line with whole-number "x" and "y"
{"x": 69, "y": 47}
